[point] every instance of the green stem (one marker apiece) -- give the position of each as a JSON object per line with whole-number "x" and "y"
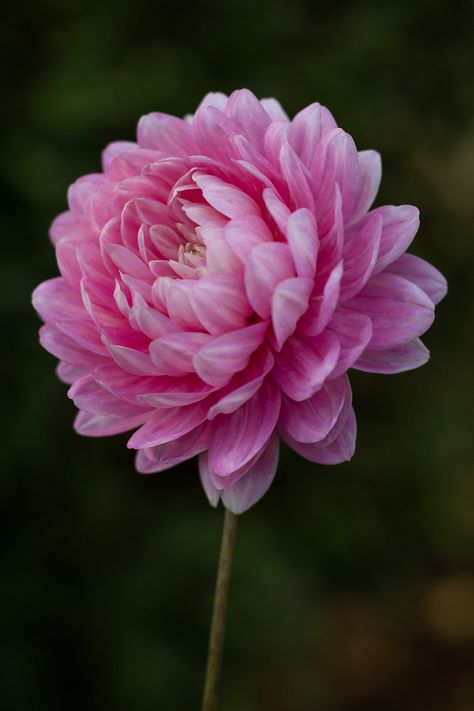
{"x": 221, "y": 596}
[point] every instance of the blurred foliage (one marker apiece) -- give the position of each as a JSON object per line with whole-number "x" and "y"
{"x": 354, "y": 586}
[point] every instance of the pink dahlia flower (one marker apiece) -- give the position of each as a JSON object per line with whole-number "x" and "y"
{"x": 218, "y": 280}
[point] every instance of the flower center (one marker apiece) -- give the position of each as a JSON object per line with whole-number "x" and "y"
{"x": 193, "y": 254}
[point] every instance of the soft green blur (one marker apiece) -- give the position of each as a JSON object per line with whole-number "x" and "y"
{"x": 353, "y": 588}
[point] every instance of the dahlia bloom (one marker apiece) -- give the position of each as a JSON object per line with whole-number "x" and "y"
{"x": 219, "y": 278}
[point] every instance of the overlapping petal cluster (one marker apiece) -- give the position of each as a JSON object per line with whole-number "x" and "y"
{"x": 219, "y": 278}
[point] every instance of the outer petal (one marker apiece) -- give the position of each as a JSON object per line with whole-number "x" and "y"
{"x": 400, "y": 225}
{"x": 332, "y": 451}
{"x": 353, "y": 331}
{"x": 424, "y": 275}
{"x": 370, "y": 168}
{"x": 360, "y": 256}
{"x": 302, "y": 367}
{"x": 165, "y": 456}
{"x": 96, "y": 425}
{"x": 166, "y": 133}
{"x": 169, "y": 424}
{"x": 307, "y": 129}
{"x": 244, "y": 384}
{"x": 239, "y": 436}
{"x": 394, "y": 360}
{"x": 88, "y": 395}
{"x": 311, "y": 420}
{"x": 247, "y": 490}
{"x": 223, "y": 356}
{"x": 399, "y": 310}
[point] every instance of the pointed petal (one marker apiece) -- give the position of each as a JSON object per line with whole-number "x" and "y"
{"x": 168, "y": 424}
{"x": 311, "y": 420}
{"x": 302, "y": 237}
{"x": 360, "y": 255}
{"x": 239, "y": 436}
{"x": 301, "y": 368}
{"x": 394, "y": 360}
{"x": 322, "y": 306}
{"x": 337, "y": 450}
{"x": 220, "y": 303}
{"x": 173, "y": 353}
{"x": 399, "y": 310}
{"x": 222, "y": 356}
{"x": 370, "y": 168}
{"x": 226, "y": 198}
{"x": 165, "y": 456}
{"x": 421, "y": 273}
{"x": 244, "y": 384}
{"x": 289, "y": 302}
{"x": 254, "y": 484}
{"x": 353, "y": 331}
{"x": 166, "y": 133}
{"x": 267, "y": 266}
{"x": 96, "y": 425}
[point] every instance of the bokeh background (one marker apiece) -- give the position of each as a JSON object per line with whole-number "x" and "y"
{"x": 353, "y": 587}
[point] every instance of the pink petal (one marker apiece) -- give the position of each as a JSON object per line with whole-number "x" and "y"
{"x": 424, "y": 275}
{"x": 399, "y": 310}
{"x": 302, "y": 237}
{"x": 322, "y": 306}
{"x": 353, "y": 331}
{"x": 62, "y": 346}
{"x": 246, "y": 233}
{"x": 254, "y": 484}
{"x": 168, "y": 424}
{"x": 337, "y": 450}
{"x": 244, "y": 384}
{"x": 152, "y": 322}
{"x": 267, "y": 266}
{"x": 115, "y": 149}
{"x": 360, "y": 255}
{"x": 311, "y": 420}
{"x": 239, "y": 436}
{"x": 90, "y": 396}
{"x": 297, "y": 178}
{"x": 336, "y": 161}
{"x": 245, "y": 109}
{"x": 132, "y": 361}
{"x": 289, "y": 302}
{"x": 222, "y": 356}
{"x": 274, "y": 109}
{"x": 173, "y": 354}
{"x": 307, "y": 129}
{"x": 370, "y": 168}
{"x": 169, "y": 391}
{"x": 165, "y": 133}
{"x": 302, "y": 367}
{"x": 276, "y": 208}
{"x": 394, "y": 360}
{"x": 226, "y": 198}
{"x": 220, "y": 303}
{"x": 165, "y": 456}
{"x": 400, "y": 225}
{"x": 55, "y": 299}
{"x": 96, "y": 425}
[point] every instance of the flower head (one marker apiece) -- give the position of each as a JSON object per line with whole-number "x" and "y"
{"x": 219, "y": 278}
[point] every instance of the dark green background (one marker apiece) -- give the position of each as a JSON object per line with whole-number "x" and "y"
{"x": 353, "y": 587}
